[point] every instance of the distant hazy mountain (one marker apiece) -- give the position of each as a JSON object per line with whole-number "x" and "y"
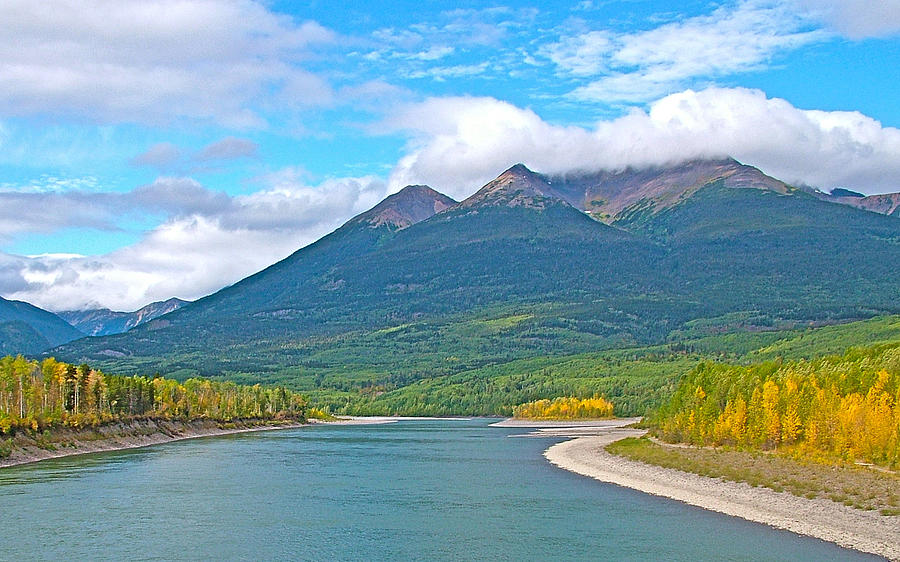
{"x": 27, "y": 329}
{"x": 102, "y": 321}
{"x": 530, "y": 265}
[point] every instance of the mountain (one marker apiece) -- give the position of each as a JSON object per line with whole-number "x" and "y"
{"x": 368, "y": 275}
{"x": 607, "y": 195}
{"x": 102, "y": 321}
{"x": 520, "y": 270}
{"x": 516, "y": 187}
{"x": 886, "y": 204}
{"x": 27, "y": 329}
{"x": 412, "y": 204}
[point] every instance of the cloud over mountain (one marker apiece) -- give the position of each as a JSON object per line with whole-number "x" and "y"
{"x": 207, "y": 238}
{"x": 461, "y": 142}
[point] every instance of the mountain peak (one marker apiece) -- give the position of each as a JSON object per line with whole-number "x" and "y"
{"x": 516, "y": 187}
{"x": 412, "y": 204}
{"x": 519, "y": 170}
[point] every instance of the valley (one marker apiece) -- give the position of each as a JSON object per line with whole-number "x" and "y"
{"x": 424, "y": 293}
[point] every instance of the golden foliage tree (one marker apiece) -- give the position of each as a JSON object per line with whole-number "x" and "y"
{"x": 847, "y": 407}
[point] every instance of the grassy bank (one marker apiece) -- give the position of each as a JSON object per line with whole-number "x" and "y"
{"x": 859, "y": 487}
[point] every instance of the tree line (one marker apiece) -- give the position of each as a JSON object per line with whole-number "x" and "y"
{"x": 565, "y": 408}
{"x": 37, "y": 395}
{"x": 846, "y": 407}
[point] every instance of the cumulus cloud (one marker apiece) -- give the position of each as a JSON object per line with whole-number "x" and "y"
{"x": 460, "y": 143}
{"x": 51, "y": 211}
{"x": 45, "y": 212}
{"x": 208, "y": 241}
{"x": 178, "y": 197}
{"x": 858, "y": 19}
{"x": 154, "y": 61}
{"x": 644, "y": 65}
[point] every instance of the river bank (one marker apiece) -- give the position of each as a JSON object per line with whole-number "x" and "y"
{"x": 65, "y": 442}
{"x": 865, "y": 531}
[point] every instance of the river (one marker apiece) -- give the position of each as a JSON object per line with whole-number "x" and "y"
{"x": 411, "y": 490}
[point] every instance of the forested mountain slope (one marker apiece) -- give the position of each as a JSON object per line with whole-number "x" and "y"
{"x": 25, "y": 328}
{"x": 416, "y": 289}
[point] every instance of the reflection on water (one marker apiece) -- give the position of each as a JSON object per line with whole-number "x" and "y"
{"x": 427, "y": 489}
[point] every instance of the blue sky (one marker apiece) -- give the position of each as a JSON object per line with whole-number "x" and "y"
{"x": 162, "y": 148}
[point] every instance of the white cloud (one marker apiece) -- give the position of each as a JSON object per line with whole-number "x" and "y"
{"x": 459, "y": 144}
{"x": 585, "y": 54}
{"x": 46, "y": 212}
{"x": 229, "y": 148}
{"x": 441, "y": 73}
{"x": 210, "y": 240}
{"x": 644, "y": 65}
{"x": 858, "y": 19}
{"x": 48, "y": 183}
{"x": 160, "y": 156}
{"x": 169, "y": 158}
{"x": 23, "y": 211}
{"x": 482, "y": 26}
{"x": 433, "y": 53}
{"x": 454, "y": 38}
{"x": 153, "y": 61}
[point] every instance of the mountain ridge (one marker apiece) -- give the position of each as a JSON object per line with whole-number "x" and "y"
{"x": 103, "y": 321}
{"x": 884, "y": 203}
{"x": 518, "y": 272}
{"x": 25, "y": 328}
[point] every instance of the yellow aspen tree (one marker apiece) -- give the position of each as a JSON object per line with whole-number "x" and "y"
{"x": 721, "y": 430}
{"x": 852, "y": 424}
{"x": 770, "y": 411}
{"x": 790, "y": 424}
{"x": 878, "y": 424}
{"x": 756, "y": 420}
{"x": 739, "y": 421}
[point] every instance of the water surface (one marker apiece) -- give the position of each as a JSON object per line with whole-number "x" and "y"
{"x": 413, "y": 490}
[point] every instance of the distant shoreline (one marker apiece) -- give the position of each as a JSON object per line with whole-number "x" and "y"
{"x": 144, "y": 433}
{"x": 865, "y": 531}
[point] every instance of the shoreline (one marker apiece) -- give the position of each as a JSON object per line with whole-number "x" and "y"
{"x": 145, "y": 433}
{"x": 865, "y": 531}
{"x": 602, "y": 423}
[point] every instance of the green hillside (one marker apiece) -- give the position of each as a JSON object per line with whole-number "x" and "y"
{"x": 638, "y": 379}
{"x": 427, "y": 318}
